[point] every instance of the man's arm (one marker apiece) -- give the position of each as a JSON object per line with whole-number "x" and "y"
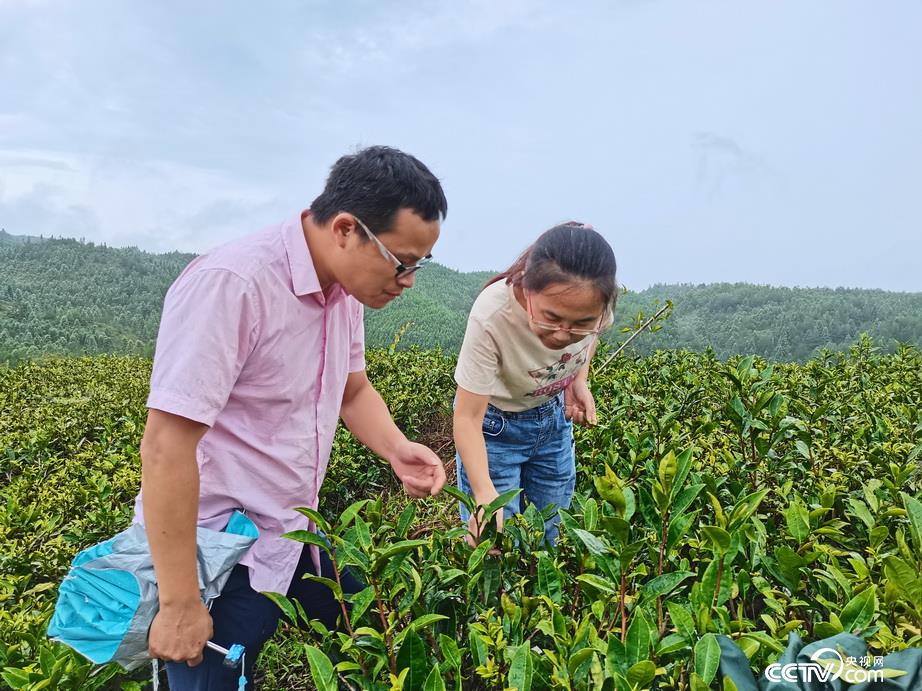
{"x": 367, "y": 417}
{"x": 170, "y": 487}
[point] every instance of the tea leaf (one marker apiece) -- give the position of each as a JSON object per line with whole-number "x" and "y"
{"x": 591, "y": 542}
{"x": 322, "y": 673}
{"x": 548, "y": 579}
{"x": 662, "y": 585}
{"x": 641, "y": 674}
{"x": 914, "y": 509}
{"x": 798, "y": 521}
{"x": 859, "y": 612}
{"x": 308, "y": 538}
{"x": 707, "y": 657}
{"x": 638, "y": 642}
{"x": 434, "y": 681}
{"x": 412, "y": 657}
{"x": 597, "y": 582}
{"x": 521, "y": 668}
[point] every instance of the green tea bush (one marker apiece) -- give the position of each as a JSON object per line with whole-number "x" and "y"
{"x": 741, "y": 498}
{"x": 417, "y": 386}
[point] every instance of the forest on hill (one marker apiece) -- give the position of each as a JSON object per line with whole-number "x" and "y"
{"x": 69, "y": 297}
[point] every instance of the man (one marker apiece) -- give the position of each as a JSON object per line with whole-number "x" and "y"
{"x": 260, "y": 352}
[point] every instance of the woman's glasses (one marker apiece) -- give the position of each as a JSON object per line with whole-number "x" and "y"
{"x": 548, "y": 326}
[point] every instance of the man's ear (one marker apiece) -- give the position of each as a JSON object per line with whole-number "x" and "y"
{"x": 342, "y": 226}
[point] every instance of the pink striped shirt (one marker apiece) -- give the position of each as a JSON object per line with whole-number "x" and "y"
{"x": 250, "y": 346}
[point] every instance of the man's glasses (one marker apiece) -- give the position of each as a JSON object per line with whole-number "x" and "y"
{"x": 402, "y": 269}
{"x": 547, "y": 326}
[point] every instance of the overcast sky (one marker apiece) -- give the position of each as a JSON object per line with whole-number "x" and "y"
{"x": 770, "y": 142}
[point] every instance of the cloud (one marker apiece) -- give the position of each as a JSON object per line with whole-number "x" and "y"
{"x": 724, "y": 166}
{"x": 386, "y": 37}
{"x": 677, "y": 122}
{"x": 46, "y": 210}
{"x": 12, "y": 159}
{"x": 156, "y": 205}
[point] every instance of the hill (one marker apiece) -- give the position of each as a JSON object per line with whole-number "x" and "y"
{"x": 788, "y": 324}
{"x": 433, "y": 314}
{"x": 68, "y": 297}
{"x": 18, "y": 239}
{"x": 62, "y": 296}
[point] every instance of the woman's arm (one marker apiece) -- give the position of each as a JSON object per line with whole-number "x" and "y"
{"x": 469, "y": 442}
{"x": 580, "y": 405}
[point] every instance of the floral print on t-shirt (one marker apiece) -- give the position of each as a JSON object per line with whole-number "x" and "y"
{"x": 558, "y": 376}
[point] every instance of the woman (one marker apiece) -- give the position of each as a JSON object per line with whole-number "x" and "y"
{"x": 522, "y": 371}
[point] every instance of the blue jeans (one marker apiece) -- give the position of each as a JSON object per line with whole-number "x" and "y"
{"x": 532, "y": 450}
{"x": 243, "y": 615}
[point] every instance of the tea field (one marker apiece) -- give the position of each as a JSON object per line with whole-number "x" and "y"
{"x": 740, "y": 498}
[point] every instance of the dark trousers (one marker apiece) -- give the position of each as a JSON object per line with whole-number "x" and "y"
{"x": 242, "y": 615}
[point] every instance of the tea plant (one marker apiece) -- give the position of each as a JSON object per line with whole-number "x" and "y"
{"x": 743, "y": 498}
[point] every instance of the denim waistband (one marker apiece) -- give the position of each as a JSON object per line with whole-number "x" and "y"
{"x": 546, "y": 409}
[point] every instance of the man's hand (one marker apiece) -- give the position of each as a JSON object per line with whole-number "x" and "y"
{"x": 179, "y": 632}
{"x": 579, "y": 403}
{"x": 418, "y": 468}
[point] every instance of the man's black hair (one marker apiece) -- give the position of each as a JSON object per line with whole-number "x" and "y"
{"x": 375, "y": 183}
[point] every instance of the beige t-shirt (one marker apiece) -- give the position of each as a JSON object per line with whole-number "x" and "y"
{"x": 503, "y": 359}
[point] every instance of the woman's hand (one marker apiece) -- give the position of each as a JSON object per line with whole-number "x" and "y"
{"x": 579, "y": 403}
{"x": 473, "y": 531}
